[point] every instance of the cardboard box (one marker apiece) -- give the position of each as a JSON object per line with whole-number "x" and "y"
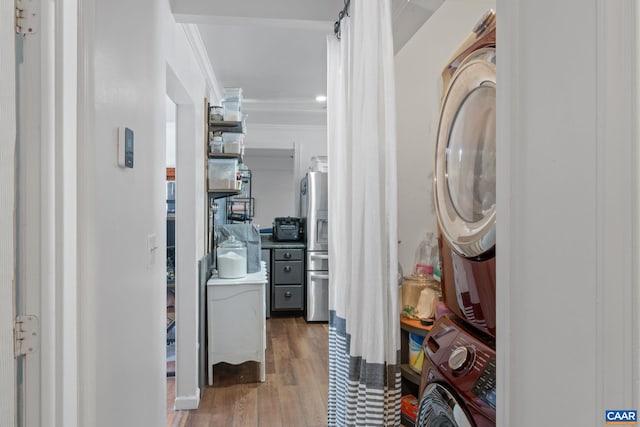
{"x": 409, "y": 406}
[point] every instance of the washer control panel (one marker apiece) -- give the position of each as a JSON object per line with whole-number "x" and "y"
{"x": 485, "y": 387}
{"x": 461, "y": 358}
{"x": 466, "y": 361}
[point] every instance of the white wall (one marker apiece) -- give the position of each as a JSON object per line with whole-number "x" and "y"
{"x": 170, "y": 133}
{"x": 127, "y": 282}
{"x": 272, "y": 185}
{"x": 418, "y": 91}
{"x": 567, "y": 142}
{"x": 123, "y": 324}
{"x": 307, "y": 140}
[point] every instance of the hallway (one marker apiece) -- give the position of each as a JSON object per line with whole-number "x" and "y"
{"x": 294, "y": 393}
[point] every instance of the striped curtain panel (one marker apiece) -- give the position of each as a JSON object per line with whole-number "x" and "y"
{"x": 364, "y": 336}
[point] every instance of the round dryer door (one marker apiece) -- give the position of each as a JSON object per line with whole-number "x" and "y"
{"x": 465, "y": 175}
{"x": 439, "y": 408}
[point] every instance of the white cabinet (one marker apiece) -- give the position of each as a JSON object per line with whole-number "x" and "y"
{"x": 236, "y": 321}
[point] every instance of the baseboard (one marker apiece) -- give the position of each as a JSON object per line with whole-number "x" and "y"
{"x": 187, "y": 402}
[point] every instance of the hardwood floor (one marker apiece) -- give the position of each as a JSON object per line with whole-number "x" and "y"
{"x": 293, "y": 395}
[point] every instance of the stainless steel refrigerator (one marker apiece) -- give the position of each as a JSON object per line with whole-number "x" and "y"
{"x": 314, "y": 212}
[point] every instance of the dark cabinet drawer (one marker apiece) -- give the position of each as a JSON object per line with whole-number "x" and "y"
{"x": 288, "y": 272}
{"x": 288, "y": 298}
{"x": 288, "y": 254}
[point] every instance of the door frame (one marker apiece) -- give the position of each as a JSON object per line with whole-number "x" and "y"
{"x": 187, "y": 395}
{"x": 8, "y": 118}
{"x": 48, "y": 220}
{"x": 608, "y": 298}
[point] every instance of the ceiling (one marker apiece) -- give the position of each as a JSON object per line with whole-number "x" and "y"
{"x": 275, "y": 50}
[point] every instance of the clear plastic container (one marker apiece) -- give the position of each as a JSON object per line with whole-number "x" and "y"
{"x": 222, "y": 174}
{"x": 411, "y": 289}
{"x": 232, "y": 104}
{"x": 426, "y": 256}
{"x": 233, "y": 93}
{"x": 233, "y": 143}
{"x": 232, "y": 259}
{"x": 215, "y": 145}
{"x": 232, "y": 111}
{"x": 217, "y": 113}
{"x": 419, "y": 297}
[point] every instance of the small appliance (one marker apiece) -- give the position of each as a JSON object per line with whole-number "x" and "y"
{"x": 458, "y": 381}
{"x": 287, "y": 229}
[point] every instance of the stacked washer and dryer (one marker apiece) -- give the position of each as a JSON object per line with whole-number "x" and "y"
{"x": 458, "y": 386}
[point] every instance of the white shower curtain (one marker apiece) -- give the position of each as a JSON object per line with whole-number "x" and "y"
{"x": 364, "y": 342}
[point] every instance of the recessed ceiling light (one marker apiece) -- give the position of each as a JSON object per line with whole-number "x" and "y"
{"x": 321, "y": 98}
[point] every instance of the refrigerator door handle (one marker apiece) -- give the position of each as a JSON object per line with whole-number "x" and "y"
{"x": 319, "y": 277}
{"x": 319, "y": 256}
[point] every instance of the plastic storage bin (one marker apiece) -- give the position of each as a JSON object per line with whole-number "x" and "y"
{"x": 222, "y": 174}
{"x": 232, "y": 104}
{"x": 216, "y": 145}
{"x": 233, "y": 143}
{"x": 416, "y": 355}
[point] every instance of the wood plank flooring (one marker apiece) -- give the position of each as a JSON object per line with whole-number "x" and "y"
{"x": 293, "y": 395}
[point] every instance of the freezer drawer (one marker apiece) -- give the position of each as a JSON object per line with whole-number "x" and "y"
{"x": 288, "y": 272}
{"x": 288, "y": 297}
{"x": 288, "y": 254}
{"x": 317, "y": 296}
{"x": 317, "y": 261}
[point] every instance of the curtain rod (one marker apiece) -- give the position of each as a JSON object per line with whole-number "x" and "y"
{"x": 344, "y": 12}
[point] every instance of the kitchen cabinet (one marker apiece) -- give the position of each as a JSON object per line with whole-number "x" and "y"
{"x": 288, "y": 280}
{"x": 236, "y": 325}
{"x": 410, "y": 378}
{"x": 287, "y": 276}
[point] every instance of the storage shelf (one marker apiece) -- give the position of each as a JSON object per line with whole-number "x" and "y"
{"x": 225, "y": 155}
{"x": 414, "y": 326}
{"x": 410, "y": 374}
{"x": 225, "y": 126}
{"x": 219, "y": 193}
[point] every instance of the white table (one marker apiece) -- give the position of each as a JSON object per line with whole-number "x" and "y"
{"x": 236, "y": 321}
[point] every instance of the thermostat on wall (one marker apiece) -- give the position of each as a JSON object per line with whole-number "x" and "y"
{"x": 125, "y": 147}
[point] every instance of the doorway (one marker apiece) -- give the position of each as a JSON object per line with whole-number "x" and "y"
{"x": 274, "y": 190}
{"x": 189, "y": 226}
{"x": 171, "y": 234}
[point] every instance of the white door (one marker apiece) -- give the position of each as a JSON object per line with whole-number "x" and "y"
{"x": 8, "y": 391}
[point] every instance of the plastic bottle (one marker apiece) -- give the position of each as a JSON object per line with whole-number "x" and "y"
{"x": 426, "y": 254}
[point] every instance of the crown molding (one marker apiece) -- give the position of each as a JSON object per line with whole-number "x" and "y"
{"x": 274, "y": 126}
{"x": 202, "y": 58}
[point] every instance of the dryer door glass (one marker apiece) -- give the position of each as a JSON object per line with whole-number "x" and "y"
{"x": 471, "y": 155}
{"x": 465, "y": 172}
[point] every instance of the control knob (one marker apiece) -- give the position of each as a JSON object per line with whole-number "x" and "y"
{"x": 461, "y": 358}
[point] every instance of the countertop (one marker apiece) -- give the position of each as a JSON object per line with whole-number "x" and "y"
{"x": 267, "y": 242}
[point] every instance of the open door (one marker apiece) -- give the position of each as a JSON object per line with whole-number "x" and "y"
{"x": 8, "y": 384}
